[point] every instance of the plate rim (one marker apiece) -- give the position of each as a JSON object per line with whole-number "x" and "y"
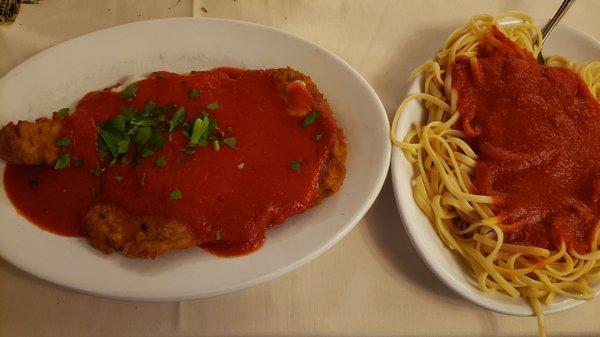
{"x": 381, "y": 174}
{"x": 478, "y": 298}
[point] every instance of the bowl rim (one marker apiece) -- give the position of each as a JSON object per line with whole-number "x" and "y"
{"x": 469, "y": 291}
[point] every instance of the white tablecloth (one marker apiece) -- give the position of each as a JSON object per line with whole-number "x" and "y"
{"x": 370, "y": 284}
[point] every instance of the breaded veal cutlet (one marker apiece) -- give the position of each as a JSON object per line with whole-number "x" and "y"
{"x": 110, "y": 228}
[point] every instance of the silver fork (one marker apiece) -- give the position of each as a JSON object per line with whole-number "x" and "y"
{"x": 549, "y": 27}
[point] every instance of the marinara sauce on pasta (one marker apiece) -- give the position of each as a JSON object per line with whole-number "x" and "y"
{"x": 536, "y": 130}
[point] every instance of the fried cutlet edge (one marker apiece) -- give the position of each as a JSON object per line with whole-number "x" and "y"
{"x": 333, "y": 169}
{"x": 30, "y": 143}
{"x": 110, "y": 228}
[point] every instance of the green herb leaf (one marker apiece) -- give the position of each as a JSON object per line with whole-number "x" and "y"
{"x": 143, "y": 135}
{"x": 110, "y": 141}
{"x": 129, "y": 112}
{"x": 133, "y": 130}
{"x": 200, "y": 127}
{"x": 123, "y": 146}
{"x": 295, "y": 165}
{"x": 63, "y": 161}
{"x": 157, "y": 139}
{"x": 116, "y": 123}
{"x": 216, "y": 145}
{"x": 177, "y": 119}
{"x": 212, "y": 106}
{"x": 64, "y": 141}
{"x": 175, "y": 194}
{"x": 130, "y": 91}
{"x": 161, "y": 161}
{"x": 144, "y": 122}
{"x": 63, "y": 112}
{"x": 150, "y": 105}
{"x": 147, "y": 153}
{"x": 231, "y": 142}
{"x": 194, "y": 93}
{"x": 311, "y": 118}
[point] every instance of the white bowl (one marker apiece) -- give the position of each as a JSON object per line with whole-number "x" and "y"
{"x": 61, "y": 75}
{"x": 446, "y": 265}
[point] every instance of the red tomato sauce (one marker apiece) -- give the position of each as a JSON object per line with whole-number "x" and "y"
{"x": 536, "y": 130}
{"x": 230, "y": 196}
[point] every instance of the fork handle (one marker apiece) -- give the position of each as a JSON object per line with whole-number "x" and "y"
{"x": 549, "y": 27}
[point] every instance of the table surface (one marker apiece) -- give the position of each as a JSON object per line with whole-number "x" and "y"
{"x": 372, "y": 283}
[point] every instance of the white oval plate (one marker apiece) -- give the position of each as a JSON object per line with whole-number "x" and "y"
{"x": 446, "y": 265}
{"x": 61, "y": 75}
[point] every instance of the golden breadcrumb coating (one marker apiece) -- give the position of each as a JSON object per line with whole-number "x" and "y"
{"x": 110, "y": 228}
{"x": 30, "y": 143}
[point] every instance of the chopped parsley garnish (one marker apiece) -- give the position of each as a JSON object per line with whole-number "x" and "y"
{"x": 295, "y": 165}
{"x": 122, "y": 145}
{"x": 140, "y": 130}
{"x": 64, "y": 141}
{"x": 311, "y": 118}
{"x": 117, "y": 123}
{"x": 119, "y": 178}
{"x": 200, "y": 126}
{"x": 231, "y": 142}
{"x": 212, "y": 105}
{"x": 202, "y": 130}
{"x": 142, "y": 136}
{"x": 147, "y": 153}
{"x": 135, "y": 134}
{"x": 158, "y": 140}
{"x": 63, "y": 112}
{"x": 113, "y": 142}
{"x": 130, "y": 91}
{"x": 194, "y": 93}
{"x": 161, "y": 161}
{"x": 149, "y": 107}
{"x": 318, "y": 136}
{"x": 63, "y": 161}
{"x": 177, "y": 119}
{"x": 175, "y": 194}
